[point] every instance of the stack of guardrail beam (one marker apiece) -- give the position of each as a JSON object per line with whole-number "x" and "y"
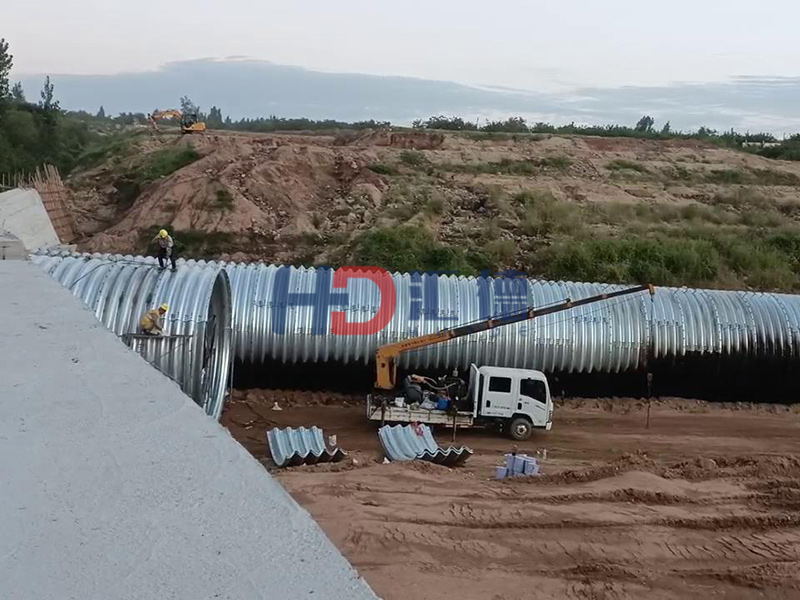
{"x": 415, "y": 442}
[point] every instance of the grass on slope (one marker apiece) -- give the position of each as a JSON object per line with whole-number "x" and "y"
{"x": 155, "y": 165}
{"x": 735, "y": 239}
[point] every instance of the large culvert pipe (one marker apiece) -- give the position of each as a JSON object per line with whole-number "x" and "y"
{"x": 120, "y": 289}
{"x": 284, "y": 314}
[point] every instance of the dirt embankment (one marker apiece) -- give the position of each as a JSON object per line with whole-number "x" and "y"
{"x": 705, "y": 501}
{"x": 310, "y": 199}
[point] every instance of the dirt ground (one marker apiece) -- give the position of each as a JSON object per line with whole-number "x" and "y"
{"x": 706, "y": 502}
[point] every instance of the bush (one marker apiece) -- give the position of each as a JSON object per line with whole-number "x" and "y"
{"x": 559, "y": 163}
{"x": 223, "y": 199}
{"x": 506, "y": 166}
{"x": 166, "y": 161}
{"x": 382, "y": 169}
{"x": 659, "y": 261}
{"x": 739, "y": 198}
{"x": 109, "y": 148}
{"x": 412, "y": 158}
{"x": 435, "y": 205}
{"x": 725, "y": 177}
{"x": 772, "y": 177}
{"x": 410, "y": 248}
{"x": 501, "y": 252}
{"x": 543, "y": 214}
{"x": 626, "y": 165}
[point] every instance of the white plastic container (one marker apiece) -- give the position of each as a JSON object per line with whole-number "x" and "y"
{"x": 510, "y": 464}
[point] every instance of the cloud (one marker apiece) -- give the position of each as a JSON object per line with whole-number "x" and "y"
{"x": 245, "y": 87}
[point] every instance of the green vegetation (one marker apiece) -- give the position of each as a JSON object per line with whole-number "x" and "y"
{"x": 413, "y": 158}
{"x": 414, "y": 248}
{"x": 736, "y": 240}
{"x": 108, "y": 150}
{"x": 643, "y": 129}
{"x": 130, "y": 183}
{"x": 789, "y": 149}
{"x": 223, "y": 199}
{"x": 627, "y": 165}
{"x": 383, "y": 169}
{"x": 666, "y": 261}
{"x": 739, "y": 238}
{"x": 725, "y": 177}
{"x": 543, "y": 214}
{"x": 166, "y": 161}
{"x": 34, "y": 134}
{"x": 507, "y": 166}
{"x": 697, "y": 257}
{"x": 559, "y": 163}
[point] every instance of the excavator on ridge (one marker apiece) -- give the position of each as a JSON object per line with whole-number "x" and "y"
{"x": 189, "y": 121}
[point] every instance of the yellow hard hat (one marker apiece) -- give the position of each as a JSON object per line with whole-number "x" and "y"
{"x": 163, "y": 233}
{"x": 164, "y": 307}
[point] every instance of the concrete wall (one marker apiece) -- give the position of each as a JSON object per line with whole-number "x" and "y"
{"x": 114, "y": 485}
{"x": 23, "y": 214}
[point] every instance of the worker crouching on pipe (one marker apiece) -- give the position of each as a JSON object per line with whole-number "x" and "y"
{"x": 166, "y": 249}
{"x": 152, "y": 323}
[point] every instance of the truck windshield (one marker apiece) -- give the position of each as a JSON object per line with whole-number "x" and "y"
{"x": 533, "y": 388}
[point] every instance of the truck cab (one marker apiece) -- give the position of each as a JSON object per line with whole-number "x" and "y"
{"x": 516, "y": 399}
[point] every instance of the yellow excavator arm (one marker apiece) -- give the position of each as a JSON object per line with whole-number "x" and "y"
{"x": 189, "y": 123}
{"x": 386, "y": 356}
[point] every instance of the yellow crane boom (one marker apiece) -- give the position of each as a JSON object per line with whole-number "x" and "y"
{"x": 386, "y": 356}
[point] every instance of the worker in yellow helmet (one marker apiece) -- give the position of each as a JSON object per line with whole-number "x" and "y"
{"x": 166, "y": 248}
{"x": 152, "y": 323}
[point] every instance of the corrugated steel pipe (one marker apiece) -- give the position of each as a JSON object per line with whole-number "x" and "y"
{"x": 120, "y": 289}
{"x": 284, "y": 313}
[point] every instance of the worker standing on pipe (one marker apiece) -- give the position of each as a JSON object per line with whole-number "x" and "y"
{"x": 166, "y": 248}
{"x": 152, "y": 321}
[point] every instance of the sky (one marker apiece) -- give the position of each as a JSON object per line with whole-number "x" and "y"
{"x": 533, "y": 45}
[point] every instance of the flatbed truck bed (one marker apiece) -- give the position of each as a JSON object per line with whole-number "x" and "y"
{"x": 387, "y": 412}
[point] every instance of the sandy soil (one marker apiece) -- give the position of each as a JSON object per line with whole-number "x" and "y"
{"x": 706, "y": 502}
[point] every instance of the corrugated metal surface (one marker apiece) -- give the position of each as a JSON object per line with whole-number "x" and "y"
{"x": 276, "y": 318}
{"x": 120, "y": 289}
{"x": 291, "y": 447}
{"x": 415, "y": 442}
{"x": 284, "y": 314}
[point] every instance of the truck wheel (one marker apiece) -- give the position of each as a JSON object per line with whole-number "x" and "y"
{"x": 520, "y": 429}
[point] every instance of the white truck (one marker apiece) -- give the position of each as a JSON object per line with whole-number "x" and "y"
{"x": 514, "y": 400}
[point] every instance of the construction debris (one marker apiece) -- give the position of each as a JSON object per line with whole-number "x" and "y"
{"x": 292, "y": 447}
{"x": 415, "y": 442}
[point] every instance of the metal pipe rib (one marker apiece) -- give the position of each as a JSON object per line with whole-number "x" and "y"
{"x": 196, "y": 351}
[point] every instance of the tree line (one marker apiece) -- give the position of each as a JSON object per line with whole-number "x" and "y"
{"x": 766, "y": 143}
{"x": 35, "y": 132}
